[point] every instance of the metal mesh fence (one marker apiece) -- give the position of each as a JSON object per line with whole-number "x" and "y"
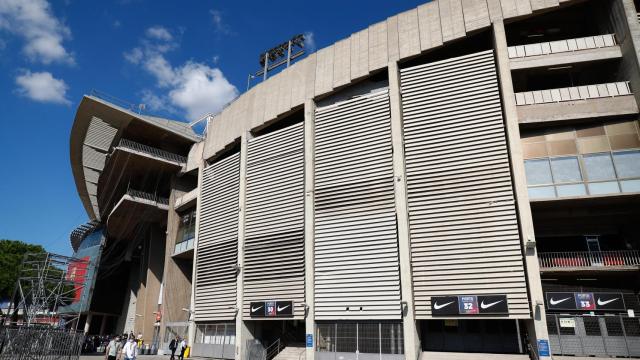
{"x": 363, "y": 337}
{"x": 40, "y": 343}
{"x": 599, "y": 335}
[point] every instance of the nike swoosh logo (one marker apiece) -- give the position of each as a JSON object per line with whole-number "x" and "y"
{"x": 601, "y": 303}
{"x": 282, "y": 308}
{"x": 438, "y": 307}
{"x": 556, "y": 302}
{"x": 486, "y": 306}
{"x": 256, "y": 309}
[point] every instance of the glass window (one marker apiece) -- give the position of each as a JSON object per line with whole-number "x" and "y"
{"x": 627, "y": 164}
{"x": 541, "y": 192}
{"x": 571, "y": 190}
{"x": 538, "y": 172}
{"x": 187, "y": 226}
{"x": 610, "y": 187}
{"x": 630, "y": 186}
{"x": 566, "y": 170}
{"x": 599, "y": 167}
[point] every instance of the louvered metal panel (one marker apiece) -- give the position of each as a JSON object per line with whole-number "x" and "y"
{"x": 217, "y": 254}
{"x": 462, "y": 216}
{"x": 100, "y": 135}
{"x": 356, "y": 246}
{"x": 93, "y": 158}
{"x": 274, "y": 219}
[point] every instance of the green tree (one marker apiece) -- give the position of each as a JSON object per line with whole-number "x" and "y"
{"x": 11, "y": 254}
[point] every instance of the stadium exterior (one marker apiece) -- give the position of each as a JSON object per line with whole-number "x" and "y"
{"x": 463, "y": 177}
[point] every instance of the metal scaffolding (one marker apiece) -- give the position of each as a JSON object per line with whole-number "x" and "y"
{"x": 43, "y": 317}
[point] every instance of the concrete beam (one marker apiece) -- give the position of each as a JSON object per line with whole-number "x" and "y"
{"x": 537, "y": 327}
{"x": 309, "y": 222}
{"x": 410, "y": 330}
{"x": 566, "y": 58}
{"x": 192, "y": 304}
{"x": 579, "y": 109}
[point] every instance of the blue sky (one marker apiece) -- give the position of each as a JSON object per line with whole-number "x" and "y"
{"x": 180, "y": 58}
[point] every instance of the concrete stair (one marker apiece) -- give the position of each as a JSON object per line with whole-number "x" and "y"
{"x": 433, "y": 355}
{"x": 291, "y": 352}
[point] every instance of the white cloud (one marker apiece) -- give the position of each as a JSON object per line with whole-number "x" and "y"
{"x": 42, "y": 87}
{"x": 309, "y": 42}
{"x": 159, "y": 33}
{"x": 192, "y": 88}
{"x": 200, "y": 89}
{"x": 42, "y": 31}
{"x": 218, "y": 23}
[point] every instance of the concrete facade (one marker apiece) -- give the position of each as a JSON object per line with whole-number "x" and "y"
{"x": 423, "y": 138}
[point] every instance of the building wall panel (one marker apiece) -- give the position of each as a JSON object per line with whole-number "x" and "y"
{"x": 408, "y": 33}
{"x": 342, "y": 63}
{"x": 462, "y": 217}
{"x": 378, "y": 48}
{"x": 360, "y": 54}
{"x": 274, "y": 219}
{"x": 217, "y": 250}
{"x": 356, "y": 251}
{"x": 476, "y": 14}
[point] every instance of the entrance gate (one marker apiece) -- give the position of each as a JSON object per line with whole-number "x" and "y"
{"x": 600, "y": 335}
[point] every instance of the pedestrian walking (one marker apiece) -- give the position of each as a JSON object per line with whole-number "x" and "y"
{"x": 130, "y": 349}
{"x": 173, "y": 345}
{"x": 113, "y": 349}
{"x": 183, "y": 348}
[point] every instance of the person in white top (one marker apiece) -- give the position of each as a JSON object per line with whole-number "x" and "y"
{"x": 130, "y": 349}
{"x": 182, "y": 348}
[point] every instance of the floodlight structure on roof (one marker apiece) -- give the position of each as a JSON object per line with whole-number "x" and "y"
{"x": 283, "y": 53}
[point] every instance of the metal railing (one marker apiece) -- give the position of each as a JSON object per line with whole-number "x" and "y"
{"x": 589, "y": 259}
{"x": 148, "y": 196}
{"x": 573, "y": 93}
{"x": 562, "y": 46}
{"x": 272, "y": 350}
{"x": 163, "y": 154}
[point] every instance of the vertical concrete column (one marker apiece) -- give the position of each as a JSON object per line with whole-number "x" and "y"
{"x": 630, "y": 45}
{"x": 309, "y": 223}
{"x": 103, "y": 324}
{"x": 240, "y": 331}
{"x": 192, "y": 304}
{"x": 411, "y": 342}
{"x": 537, "y": 327}
{"x": 87, "y": 323}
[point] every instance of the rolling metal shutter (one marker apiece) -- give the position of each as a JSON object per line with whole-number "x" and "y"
{"x": 274, "y": 219}
{"x": 217, "y": 251}
{"x": 356, "y": 248}
{"x": 462, "y": 216}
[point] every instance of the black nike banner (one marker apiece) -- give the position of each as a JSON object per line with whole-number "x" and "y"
{"x": 267, "y": 309}
{"x": 585, "y": 301}
{"x": 444, "y": 305}
{"x": 469, "y": 305}
{"x": 493, "y": 304}
{"x": 560, "y": 301}
{"x": 609, "y": 301}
